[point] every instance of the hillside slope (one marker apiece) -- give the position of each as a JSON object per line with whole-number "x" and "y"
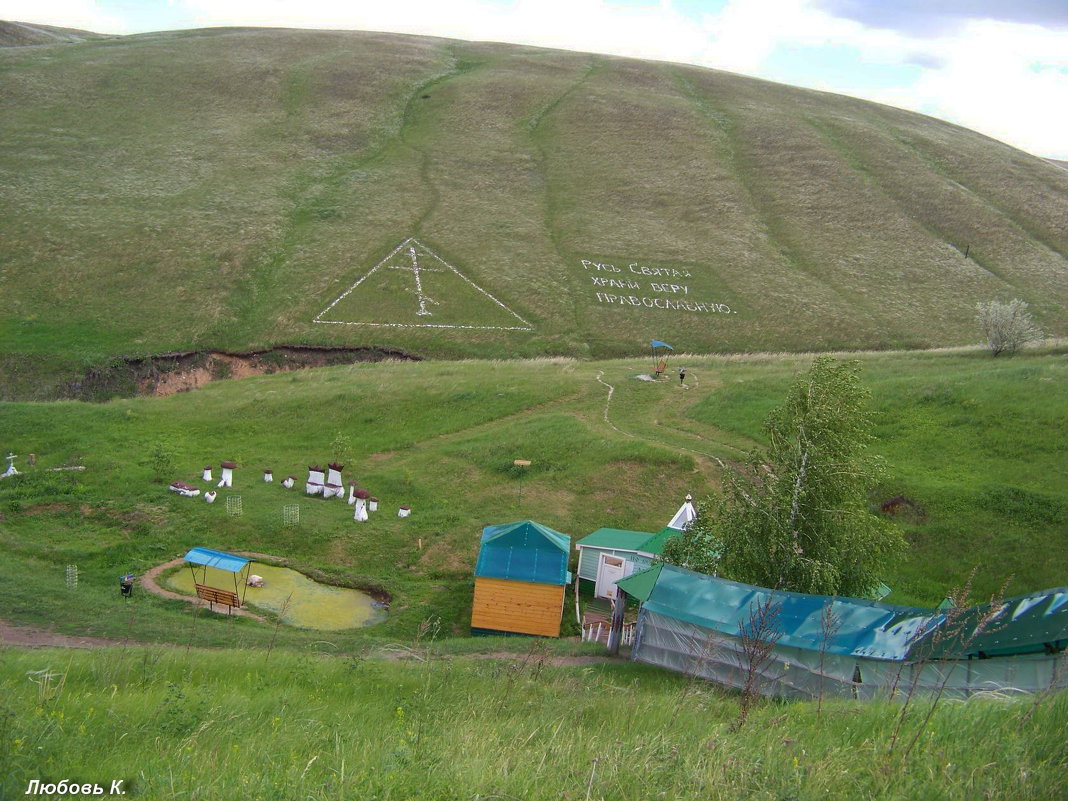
{"x": 237, "y": 188}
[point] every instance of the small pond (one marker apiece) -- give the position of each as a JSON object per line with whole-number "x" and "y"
{"x": 311, "y": 605}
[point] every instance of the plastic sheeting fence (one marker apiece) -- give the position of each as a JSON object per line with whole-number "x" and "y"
{"x": 693, "y": 623}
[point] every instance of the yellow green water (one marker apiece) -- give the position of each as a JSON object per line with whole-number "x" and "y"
{"x": 310, "y": 605}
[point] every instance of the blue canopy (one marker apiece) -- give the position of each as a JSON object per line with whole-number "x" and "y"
{"x": 524, "y": 551}
{"x": 218, "y": 559}
{"x": 656, "y": 343}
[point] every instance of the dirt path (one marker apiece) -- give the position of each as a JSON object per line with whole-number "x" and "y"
{"x": 148, "y": 581}
{"x": 27, "y": 637}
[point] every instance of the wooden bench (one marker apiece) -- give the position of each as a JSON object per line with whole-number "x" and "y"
{"x": 214, "y": 595}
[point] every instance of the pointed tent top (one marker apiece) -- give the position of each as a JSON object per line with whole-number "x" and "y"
{"x": 686, "y": 515}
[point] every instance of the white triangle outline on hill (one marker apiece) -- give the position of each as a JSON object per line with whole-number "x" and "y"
{"x": 417, "y": 249}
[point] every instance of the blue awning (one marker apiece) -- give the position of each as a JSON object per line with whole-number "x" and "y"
{"x": 218, "y": 559}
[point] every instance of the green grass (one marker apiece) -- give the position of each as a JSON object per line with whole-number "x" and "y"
{"x": 975, "y": 442}
{"x": 218, "y": 189}
{"x": 221, "y": 724}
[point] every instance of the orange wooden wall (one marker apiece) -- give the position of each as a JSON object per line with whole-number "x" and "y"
{"x": 517, "y": 606}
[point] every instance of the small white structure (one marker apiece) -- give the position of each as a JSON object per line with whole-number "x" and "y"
{"x": 404, "y": 511}
{"x": 227, "y": 469}
{"x": 372, "y": 504}
{"x": 268, "y": 476}
{"x": 209, "y": 496}
{"x": 289, "y": 482}
{"x": 360, "y": 513}
{"x": 334, "y": 487}
{"x": 352, "y": 493}
{"x": 686, "y": 515}
{"x": 207, "y": 473}
{"x": 183, "y": 489}
{"x": 255, "y": 581}
{"x": 11, "y": 471}
{"x": 314, "y": 485}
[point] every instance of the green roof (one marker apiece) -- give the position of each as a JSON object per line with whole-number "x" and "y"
{"x": 616, "y": 539}
{"x": 640, "y": 585}
{"x": 655, "y": 544}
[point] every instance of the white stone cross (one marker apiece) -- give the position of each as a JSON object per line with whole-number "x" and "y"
{"x": 418, "y": 271}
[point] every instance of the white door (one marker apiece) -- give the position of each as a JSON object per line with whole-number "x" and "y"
{"x": 610, "y": 569}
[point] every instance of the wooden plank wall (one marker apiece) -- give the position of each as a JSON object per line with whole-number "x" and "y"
{"x": 517, "y": 606}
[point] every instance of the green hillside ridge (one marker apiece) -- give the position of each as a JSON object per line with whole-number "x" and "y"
{"x": 222, "y": 188}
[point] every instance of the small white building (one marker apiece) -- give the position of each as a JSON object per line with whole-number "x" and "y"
{"x": 227, "y": 469}
{"x": 316, "y": 476}
{"x": 334, "y": 486}
{"x": 360, "y": 512}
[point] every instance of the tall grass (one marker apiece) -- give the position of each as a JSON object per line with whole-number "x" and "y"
{"x": 213, "y": 724}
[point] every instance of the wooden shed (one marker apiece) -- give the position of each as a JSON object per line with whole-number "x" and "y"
{"x": 520, "y": 579}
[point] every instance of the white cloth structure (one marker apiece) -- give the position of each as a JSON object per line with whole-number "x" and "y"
{"x": 209, "y": 496}
{"x": 11, "y": 471}
{"x": 360, "y": 504}
{"x": 334, "y": 487}
{"x": 227, "y": 469}
{"x": 314, "y": 485}
{"x": 268, "y": 476}
{"x": 686, "y": 515}
{"x": 207, "y": 473}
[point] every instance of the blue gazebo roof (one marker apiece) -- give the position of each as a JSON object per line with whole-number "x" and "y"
{"x": 229, "y": 562}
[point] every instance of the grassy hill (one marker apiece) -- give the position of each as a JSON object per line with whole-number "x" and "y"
{"x": 976, "y": 444}
{"x": 223, "y": 188}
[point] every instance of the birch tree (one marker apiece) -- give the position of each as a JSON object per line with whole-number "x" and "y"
{"x": 798, "y": 517}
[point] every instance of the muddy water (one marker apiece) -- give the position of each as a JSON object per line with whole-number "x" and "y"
{"x": 310, "y": 605}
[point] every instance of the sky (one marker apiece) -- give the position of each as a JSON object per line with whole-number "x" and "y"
{"x": 999, "y": 67}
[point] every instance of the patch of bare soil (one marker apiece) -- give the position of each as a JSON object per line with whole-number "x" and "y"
{"x": 27, "y": 637}
{"x": 168, "y": 373}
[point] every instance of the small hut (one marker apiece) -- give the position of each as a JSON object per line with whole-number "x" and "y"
{"x": 314, "y": 485}
{"x": 227, "y": 469}
{"x": 359, "y": 513}
{"x": 335, "y": 486}
{"x": 520, "y": 578}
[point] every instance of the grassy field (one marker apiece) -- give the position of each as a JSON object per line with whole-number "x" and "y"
{"x": 173, "y": 724}
{"x": 219, "y": 189}
{"x": 977, "y": 444}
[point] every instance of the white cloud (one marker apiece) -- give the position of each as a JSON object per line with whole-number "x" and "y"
{"x": 83, "y": 14}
